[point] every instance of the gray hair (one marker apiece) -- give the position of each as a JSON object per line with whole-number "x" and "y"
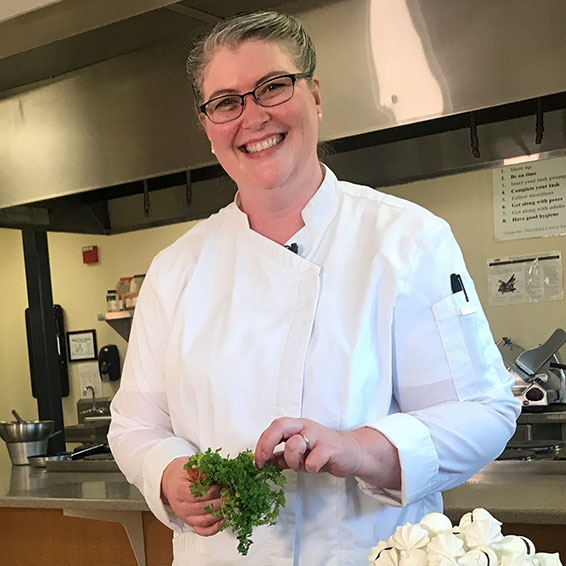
{"x": 232, "y": 32}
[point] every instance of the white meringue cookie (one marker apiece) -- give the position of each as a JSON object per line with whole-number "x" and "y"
{"x": 375, "y": 550}
{"x": 476, "y": 515}
{"x": 546, "y": 559}
{"x": 437, "y": 560}
{"x": 512, "y": 544}
{"x": 446, "y": 544}
{"x": 515, "y": 560}
{"x": 435, "y": 523}
{"x": 529, "y": 544}
{"x": 387, "y": 557}
{"x": 414, "y": 557}
{"x": 480, "y": 533}
{"x": 478, "y": 557}
{"x": 407, "y": 537}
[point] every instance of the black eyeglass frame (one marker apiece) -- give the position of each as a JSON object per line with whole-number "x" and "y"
{"x": 293, "y": 76}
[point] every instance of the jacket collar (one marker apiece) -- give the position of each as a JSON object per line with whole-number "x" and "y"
{"x": 316, "y": 211}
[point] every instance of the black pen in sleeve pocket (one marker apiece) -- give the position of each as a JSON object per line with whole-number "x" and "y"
{"x": 457, "y": 285}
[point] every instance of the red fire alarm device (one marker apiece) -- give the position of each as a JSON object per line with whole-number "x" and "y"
{"x": 90, "y": 254}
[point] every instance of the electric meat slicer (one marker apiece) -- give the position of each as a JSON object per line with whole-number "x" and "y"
{"x": 540, "y": 378}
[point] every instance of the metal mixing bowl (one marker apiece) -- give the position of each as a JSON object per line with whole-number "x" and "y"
{"x": 27, "y": 431}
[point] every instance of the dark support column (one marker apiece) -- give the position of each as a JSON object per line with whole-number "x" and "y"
{"x": 43, "y": 333}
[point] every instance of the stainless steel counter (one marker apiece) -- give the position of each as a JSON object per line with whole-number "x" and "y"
{"x": 514, "y": 492}
{"x": 542, "y": 418}
{"x": 24, "y": 486}
{"x": 518, "y": 492}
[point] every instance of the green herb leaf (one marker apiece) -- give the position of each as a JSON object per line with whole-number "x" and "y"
{"x": 251, "y": 497}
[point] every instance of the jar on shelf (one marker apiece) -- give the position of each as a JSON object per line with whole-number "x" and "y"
{"x": 123, "y": 288}
{"x": 112, "y": 304}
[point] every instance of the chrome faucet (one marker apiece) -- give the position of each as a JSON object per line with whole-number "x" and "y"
{"x": 91, "y": 389}
{"x": 94, "y": 410}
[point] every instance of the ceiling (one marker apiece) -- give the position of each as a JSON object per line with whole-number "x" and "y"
{"x": 77, "y": 40}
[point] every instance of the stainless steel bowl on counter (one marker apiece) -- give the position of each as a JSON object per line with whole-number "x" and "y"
{"x": 25, "y": 439}
{"x": 26, "y": 431}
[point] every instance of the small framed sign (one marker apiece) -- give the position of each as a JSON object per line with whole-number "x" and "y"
{"x": 82, "y": 345}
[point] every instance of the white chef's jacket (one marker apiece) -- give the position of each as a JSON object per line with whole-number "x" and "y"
{"x": 360, "y": 328}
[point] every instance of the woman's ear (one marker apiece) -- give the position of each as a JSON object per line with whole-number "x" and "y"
{"x": 315, "y": 89}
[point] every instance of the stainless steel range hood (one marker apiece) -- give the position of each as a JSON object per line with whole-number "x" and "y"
{"x": 116, "y": 119}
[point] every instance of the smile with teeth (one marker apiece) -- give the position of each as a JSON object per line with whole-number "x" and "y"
{"x": 264, "y": 144}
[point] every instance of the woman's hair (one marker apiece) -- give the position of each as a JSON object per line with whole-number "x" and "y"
{"x": 265, "y": 26}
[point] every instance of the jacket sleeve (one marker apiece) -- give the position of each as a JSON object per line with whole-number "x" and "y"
{"x": 141, "y": 436}
{"x": 453, "y": 409}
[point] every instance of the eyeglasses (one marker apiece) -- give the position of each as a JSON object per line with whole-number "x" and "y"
{"x": 272, "y": 92}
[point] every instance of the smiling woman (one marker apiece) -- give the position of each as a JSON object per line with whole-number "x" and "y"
{"x": 312, "y": 319}
{"x": 268, "y": 149}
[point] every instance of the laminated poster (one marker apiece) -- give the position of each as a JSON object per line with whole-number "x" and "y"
{"x": 525, "y": 279}
{"x": 529, "y": 199}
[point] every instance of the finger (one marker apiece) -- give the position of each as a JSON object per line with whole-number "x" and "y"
{"x": 337, "y": 455}
{"x": 210, "y": 529}
{"x": 213, "y": 492}
{"x": 295, "y": 452}
{"x": 199, "y": 514}
{"x": 201, "y": 507}
{"x": 278, "y": 459}
{"x": 316, "y": 460}
{"x": 279, "y": 430}
{"x": 202, "y": 520}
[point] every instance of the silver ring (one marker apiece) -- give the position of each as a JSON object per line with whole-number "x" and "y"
{"x": 306, "y": 439}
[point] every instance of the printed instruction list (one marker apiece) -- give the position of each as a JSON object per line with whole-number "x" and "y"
{"x": 530, "y": 199}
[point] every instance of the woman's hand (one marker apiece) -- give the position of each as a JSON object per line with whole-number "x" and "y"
{"x": 311, "y": 447}
{"x": 176, "y": 492}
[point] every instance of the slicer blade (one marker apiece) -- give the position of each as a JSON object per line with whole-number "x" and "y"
{"x": 531, "y": 361}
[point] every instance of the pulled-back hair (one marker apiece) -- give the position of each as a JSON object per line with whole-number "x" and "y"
{"x": 283, "y": 29}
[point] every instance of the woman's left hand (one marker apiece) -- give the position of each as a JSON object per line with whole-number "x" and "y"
{"x": 311, "y": 447}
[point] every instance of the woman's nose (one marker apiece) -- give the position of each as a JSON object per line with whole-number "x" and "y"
{"x": 253, "y": 112}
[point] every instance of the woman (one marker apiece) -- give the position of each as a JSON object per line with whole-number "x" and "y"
{"x": 363, "y": 352}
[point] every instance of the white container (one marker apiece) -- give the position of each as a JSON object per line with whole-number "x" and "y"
{"x": 135, "y": 286}
{"x": 123, "y": 288}
{"x": 137, "y": 283}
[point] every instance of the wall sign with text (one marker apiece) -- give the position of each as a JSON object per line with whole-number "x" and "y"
{"x": 529, "y": 199}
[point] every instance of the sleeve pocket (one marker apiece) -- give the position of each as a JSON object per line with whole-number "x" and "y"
{"x": 457, "y": 322}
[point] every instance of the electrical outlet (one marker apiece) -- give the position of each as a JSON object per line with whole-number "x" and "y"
{"x": 89, "y": 375}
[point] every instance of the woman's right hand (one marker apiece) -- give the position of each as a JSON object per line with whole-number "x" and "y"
{"x": 176, "y": 492}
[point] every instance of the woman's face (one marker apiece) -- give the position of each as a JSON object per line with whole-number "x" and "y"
{"x": 293, "y": 125}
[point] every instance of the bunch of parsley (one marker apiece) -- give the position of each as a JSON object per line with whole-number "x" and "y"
{"x": 251, "y": 497}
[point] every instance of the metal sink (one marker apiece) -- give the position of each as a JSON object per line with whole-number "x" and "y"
{"x": 94, "y": 432}
{"x": 93, "y": 421}
{"x": 92, "y": 407}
